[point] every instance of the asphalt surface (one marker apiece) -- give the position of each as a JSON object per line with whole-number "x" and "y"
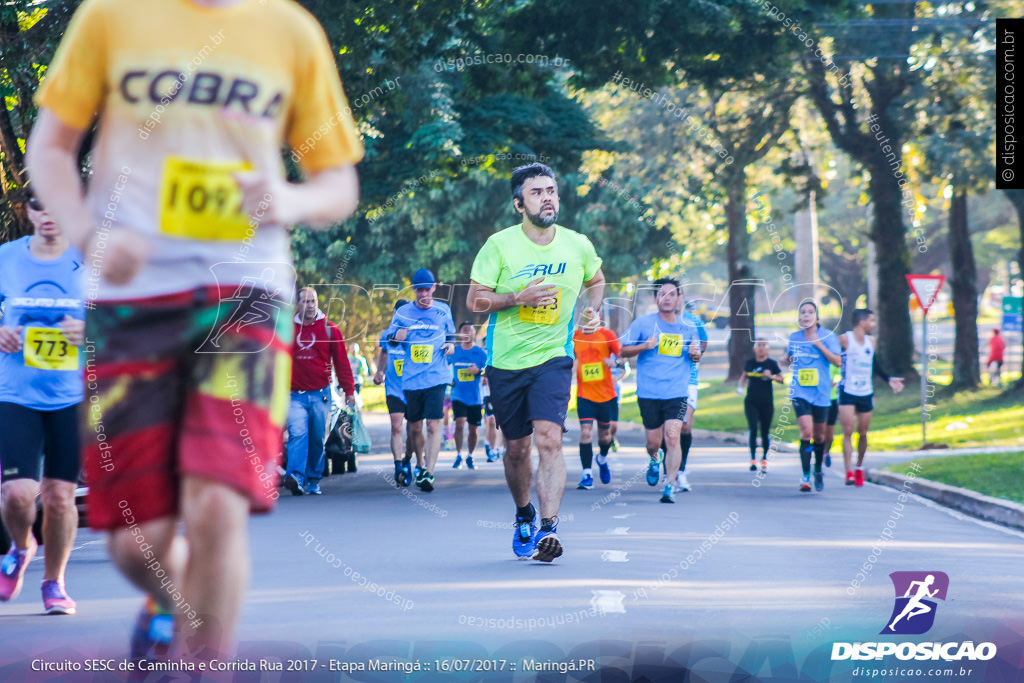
{"x": 743, "y": 574}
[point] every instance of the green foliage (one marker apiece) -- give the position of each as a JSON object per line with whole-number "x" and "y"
{"x": 1000, "y": 475}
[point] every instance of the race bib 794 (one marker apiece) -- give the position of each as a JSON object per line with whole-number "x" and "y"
{"x": 670, "y": 344}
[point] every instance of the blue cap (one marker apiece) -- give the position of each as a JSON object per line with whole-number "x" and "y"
{"x": 423, "y": 278}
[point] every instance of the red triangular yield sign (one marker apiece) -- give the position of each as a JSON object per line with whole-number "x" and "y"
{"x": 925, "y": 288}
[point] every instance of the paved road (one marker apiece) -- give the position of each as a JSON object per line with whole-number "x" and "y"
{"x": 635, "y": 589}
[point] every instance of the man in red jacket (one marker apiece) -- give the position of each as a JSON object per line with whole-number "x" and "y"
{"x": 317, "y": 347}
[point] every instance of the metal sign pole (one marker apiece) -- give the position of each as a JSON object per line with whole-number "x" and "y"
{"x": 924, "y": 377}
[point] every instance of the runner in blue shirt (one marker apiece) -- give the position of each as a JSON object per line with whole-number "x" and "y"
{"x": 666, "y": 347}
{"x": 812, "y": 349}
{"x": 686, "y": 438}
{"x": 390, "y": 363}
{"x": 426, "y": 330}
{"x": 468, "y": 363}
{"x": 41, "y": 386}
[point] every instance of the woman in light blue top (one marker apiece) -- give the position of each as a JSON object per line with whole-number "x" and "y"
{"x": 811, "y": 350}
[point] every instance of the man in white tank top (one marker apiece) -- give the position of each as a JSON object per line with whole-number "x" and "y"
{"x": 856, "y": 391}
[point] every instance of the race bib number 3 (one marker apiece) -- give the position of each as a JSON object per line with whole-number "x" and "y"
{"x": 542, "y": 315}
{"x": 465, "y": 375}
{"x": 200, "y": 200}
{"x": 422, "y": 353}
{"x": 670, "y": 344}
{"x": 807, "y": 377}
{"x": 46, "y": 348}
{"x": 592, "y": 372}
{"x": 398, "y": 366}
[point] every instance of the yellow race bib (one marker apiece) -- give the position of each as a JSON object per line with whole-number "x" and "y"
{"x": 46, "y": 348}
{"x": 398, "y": 366}
{"x": 670, "y": 344}
{"x": 807, "y": 377}
{"x": 592, "y": 372}
{"x": 542, "y": 315}
{"x": 465, "y": 375}
{"x": 421, "y": 353}
{"x": 200, "y": 200}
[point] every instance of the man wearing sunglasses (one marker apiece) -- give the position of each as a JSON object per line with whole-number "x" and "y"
{"x": 40, "y": 390}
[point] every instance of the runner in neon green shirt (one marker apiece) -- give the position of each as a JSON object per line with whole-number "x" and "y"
{"x": 528, "y": 277}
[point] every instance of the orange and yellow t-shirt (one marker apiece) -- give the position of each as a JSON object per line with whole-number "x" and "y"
{"x": 187, "y": 96}
{"x": 594, "y": 380}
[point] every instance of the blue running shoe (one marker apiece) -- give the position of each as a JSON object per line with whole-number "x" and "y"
{"x": 523, "y": 541}
{"x": 828, "y": 460}
{"x": 407, "y": 474}
{"x": 587, "y": 482}
{"x": 154, "y": 629}
{"x": 819, "y": 481}
{"x": 549, "y": 545}
{"x": 668, "y": 495}
{"x": 805, "y": 483}
{"x": 653, "y": 475}
{"x": 491, "y": 457}
{"x": 458, "y": 462}
{"x": 604, "y": 471}
{"x": 469, "y": 462}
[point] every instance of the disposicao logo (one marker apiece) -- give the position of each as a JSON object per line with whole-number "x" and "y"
{"x": 913, "y": 614}
{"x": 916, "y": 592}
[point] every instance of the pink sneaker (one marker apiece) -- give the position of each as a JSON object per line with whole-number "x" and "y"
{"x": 12, "y": 570}
{"x": 55, "y": 598}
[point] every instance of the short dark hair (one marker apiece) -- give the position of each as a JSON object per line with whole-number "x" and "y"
{"x": 861, "y": 314}
{"x": 400, "y": 303}
{"x": 662, "y": 281}
{"x": 464, "y": 323}
{"x": 523, "y": 173}
{"x": 806, "y": 302}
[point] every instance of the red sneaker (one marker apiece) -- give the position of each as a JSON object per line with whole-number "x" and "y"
{"x": 849, "y": 478}
{"x": 858, "y": 477}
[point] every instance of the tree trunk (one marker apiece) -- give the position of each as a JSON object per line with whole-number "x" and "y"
{"x": 1016, "y": 198}
{"x": 966, "y": 371}
{"x": 741, "y": 292}
{"x": 14, "y": 222}
{"x": 895, "y": 338}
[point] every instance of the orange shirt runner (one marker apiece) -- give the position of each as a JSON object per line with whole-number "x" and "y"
{"x": 594, "y": 380}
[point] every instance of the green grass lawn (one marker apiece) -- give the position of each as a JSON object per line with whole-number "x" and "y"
{"x": 1000, "y": 475}
{"x": 983, "y": 417}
